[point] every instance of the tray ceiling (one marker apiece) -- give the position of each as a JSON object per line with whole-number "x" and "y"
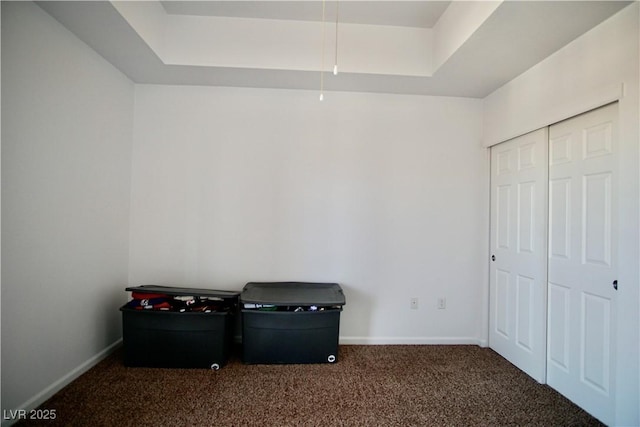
{"x": 444, "y": 48}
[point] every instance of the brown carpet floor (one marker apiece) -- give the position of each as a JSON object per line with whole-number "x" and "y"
{"x": 369, "y": 386}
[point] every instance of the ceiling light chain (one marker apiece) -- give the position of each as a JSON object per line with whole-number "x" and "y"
{"x": 324, "y": 39}
{"x": 322, "y": 60}
{"x": 335, "y": 63}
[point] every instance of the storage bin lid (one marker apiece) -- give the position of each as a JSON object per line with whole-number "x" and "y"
{"x": 292, "y": 293}
{"x": 178, "y": 291}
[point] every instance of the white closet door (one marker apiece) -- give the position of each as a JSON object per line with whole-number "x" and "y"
{"x": 517, "y": 326}
{"x": 583, "y": 260}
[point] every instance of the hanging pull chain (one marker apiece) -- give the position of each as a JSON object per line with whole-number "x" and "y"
{"x": 335, "y": 62}
{"x": 322, "y": 60}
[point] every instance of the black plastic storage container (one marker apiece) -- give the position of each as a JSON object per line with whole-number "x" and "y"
{"x": 291, "y": 322}
{"x": 182, "y": 336}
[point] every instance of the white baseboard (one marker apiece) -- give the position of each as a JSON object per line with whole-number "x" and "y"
{"x": 411, "y": 341}
{"x": 58, "y": 385}
{"x": 402, "y": 341}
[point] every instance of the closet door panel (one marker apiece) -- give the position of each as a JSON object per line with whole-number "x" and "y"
{"x": 583, "y": 260}
{"x": 518, "y": 244}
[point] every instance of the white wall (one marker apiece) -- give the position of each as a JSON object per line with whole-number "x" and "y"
{"x": 589, "y": 71}
{"x": 66, "y": 163}
{"x": 383, "y": 194}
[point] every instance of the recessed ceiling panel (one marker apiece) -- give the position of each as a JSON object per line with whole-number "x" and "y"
{"x": 423, "y": 14}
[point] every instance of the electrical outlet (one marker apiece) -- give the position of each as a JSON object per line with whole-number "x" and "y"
{"x": 442, "y": 303}
{"x": 414, "y": 303}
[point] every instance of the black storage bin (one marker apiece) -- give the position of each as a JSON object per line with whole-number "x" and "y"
{"x": 291, "y": 322}
{"x": 174, "y": 339}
